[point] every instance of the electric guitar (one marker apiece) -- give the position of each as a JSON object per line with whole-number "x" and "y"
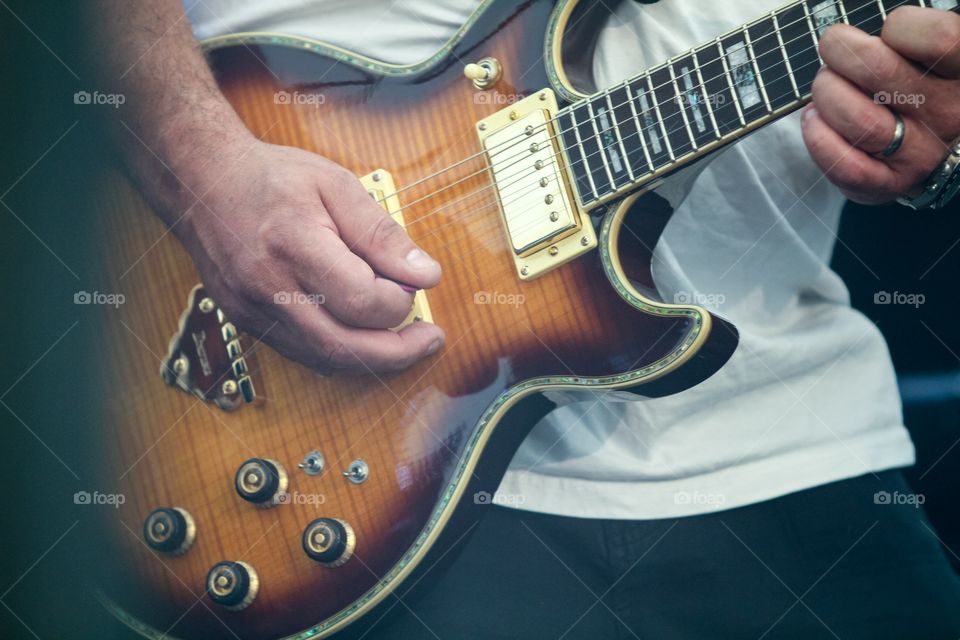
{"x": 264, "y": 501}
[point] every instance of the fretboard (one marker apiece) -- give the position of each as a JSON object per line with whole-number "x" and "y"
{"x": 703, "y": 99}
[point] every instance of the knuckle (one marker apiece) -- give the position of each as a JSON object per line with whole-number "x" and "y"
{"x": 334, "y": 354}
{"x": 385, "y": 232}
{"x": 357, "y": 305}
{"x": 849, "y": 174}
{"x": 829, "y": 40}
{"x": 945, "y": 37}
{"x": 245, "y": 278}
{"x": 883, "y": 65}
{"x": 341, "y": 186}
{"x": 872, "y": 126}
{"x": 275, "y": 240}
{"x": 900, "y": 184}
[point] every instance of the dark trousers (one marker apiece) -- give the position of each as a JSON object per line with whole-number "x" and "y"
{"x": 838, "y": 561}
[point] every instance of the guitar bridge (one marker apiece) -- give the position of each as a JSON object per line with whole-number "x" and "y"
{"x": 206, "y": 357}
{"x": 543, "y": 224}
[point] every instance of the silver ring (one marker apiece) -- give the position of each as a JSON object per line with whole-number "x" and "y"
{"x": 898, "y": 134}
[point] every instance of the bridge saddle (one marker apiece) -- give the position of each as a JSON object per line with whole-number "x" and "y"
{"x": 382, "y": 188}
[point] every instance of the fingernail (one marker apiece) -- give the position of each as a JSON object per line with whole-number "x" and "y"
{"x": 420, "y": 260}
{"x": 434, "y": 346}
{"x": 809, "y": 114}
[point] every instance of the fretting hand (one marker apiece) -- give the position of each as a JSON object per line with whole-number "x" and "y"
{"x": 912, "y": 70}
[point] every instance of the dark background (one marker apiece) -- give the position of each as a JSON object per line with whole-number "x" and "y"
{"x": 50, "y": 151}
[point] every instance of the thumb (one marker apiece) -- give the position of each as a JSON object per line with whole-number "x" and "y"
{"x": 373, "y": 235}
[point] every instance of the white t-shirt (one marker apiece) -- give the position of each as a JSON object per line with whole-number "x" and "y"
{"x": 810, "y": 395}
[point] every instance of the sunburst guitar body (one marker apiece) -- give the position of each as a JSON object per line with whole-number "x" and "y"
{"x": 263, "y": 500}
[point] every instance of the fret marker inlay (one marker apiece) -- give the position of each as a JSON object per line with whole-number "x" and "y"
{"x": 743, "y": 75}
{"x": 825, "y": 14}
{"x": 692, "y": 95}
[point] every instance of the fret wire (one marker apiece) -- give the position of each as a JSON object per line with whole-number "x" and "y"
{"x": 656, "y": 107}
{"x": 691, "y": 152}
{"x": 807, "y": 19}
{"x": 783, "y": 50}
{"x": 733, "y": 92}
{"x": 616, "y": 130}
{"x": 883, "y": 10}
{"x": 583, "y": 153}
{"x": 727, "y": 74}
{"x": 780, "y": 27}
{"x": 560, "y": 113}
{"x": 756, "y": 68}
{"x": 813, "y": 30}
{"x": 600, "y": 147}
{"x": 733, "y": 88}
{"x": 680, "y": 104}
{"x": 706, "y": 96}
{"x": 843, "y": 11}
{"x": 633, "y": 109}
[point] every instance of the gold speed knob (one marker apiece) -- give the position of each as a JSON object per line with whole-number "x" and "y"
{"x": 169, "y": 530}
{"x": 260, "y": 481}
{"x": 329, "y": 541}
{"x": 232, "y": 584}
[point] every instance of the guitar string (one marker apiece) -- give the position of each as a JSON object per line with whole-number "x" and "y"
{"x": 743, "y": 28}
{"x": 460, "y": 215}
{"x": 699, "y": 86}
{"x": 601, "y": 148}
{"x": 600, "y": 151}
{"x": 488, "y": 205}
{"x": 508, "y": 143}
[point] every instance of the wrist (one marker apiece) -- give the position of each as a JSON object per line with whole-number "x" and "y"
{"x": 185, "y": 155}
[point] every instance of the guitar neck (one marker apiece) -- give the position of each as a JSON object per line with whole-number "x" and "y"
{"x": 632, "y": 133}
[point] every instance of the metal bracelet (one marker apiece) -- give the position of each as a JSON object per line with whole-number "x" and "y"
{"x": 941, "y": 187}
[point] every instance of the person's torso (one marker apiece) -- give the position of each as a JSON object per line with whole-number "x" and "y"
{"x": 810, "y": 394}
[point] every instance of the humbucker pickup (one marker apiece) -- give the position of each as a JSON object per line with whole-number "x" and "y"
{"x": 543, "y": 224}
